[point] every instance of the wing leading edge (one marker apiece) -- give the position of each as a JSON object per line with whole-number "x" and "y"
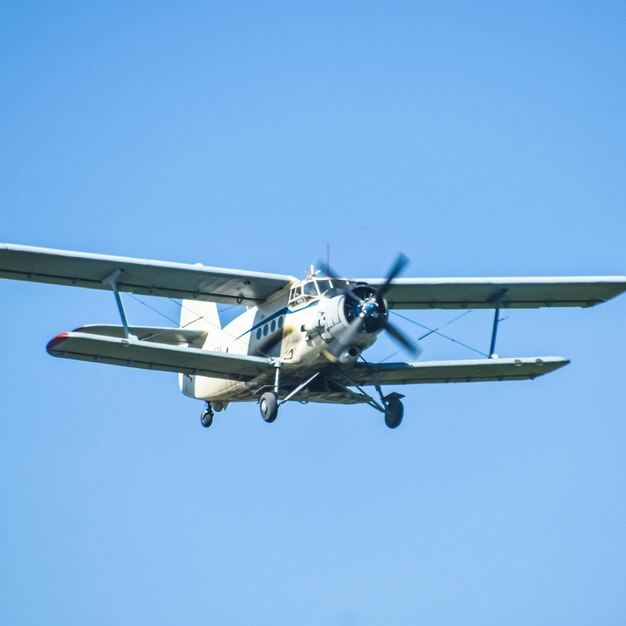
{"x": 140, "y": 276}
{"x": 501, "y": 293}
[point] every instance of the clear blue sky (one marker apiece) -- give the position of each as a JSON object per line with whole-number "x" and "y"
{"x": 479, "y": 138}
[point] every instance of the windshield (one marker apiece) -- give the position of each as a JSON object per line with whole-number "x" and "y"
{"x": 314, "y": 288}
{"x": 310, "y": 289}
{"x": 324, "y": 285}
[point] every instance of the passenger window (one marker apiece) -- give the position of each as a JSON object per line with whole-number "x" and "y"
{"x": 280, "y": 321}
{"x": 265, "y": 329}
{"x": 273, "y": 325}
{"x": 259, "y": 332}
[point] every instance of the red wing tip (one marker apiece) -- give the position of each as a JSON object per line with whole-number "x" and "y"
{"x": 57, "y": 340}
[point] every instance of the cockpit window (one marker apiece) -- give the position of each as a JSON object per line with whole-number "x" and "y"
{"x": 324, "y": 286}
{"x": 314, "y": 288}
{"x": 340, "y": 283}
{"x": 295, "y": 297}
{"x": 310, "y": 289}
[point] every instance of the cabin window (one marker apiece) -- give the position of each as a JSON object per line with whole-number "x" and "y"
{"x": 280, "y": 321}
{"x": 273, "y": 325}
{"x": 259, "y": 332}
{"x": 265, "y": 329}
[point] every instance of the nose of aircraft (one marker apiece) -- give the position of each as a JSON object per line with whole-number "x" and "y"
{"x": 366, "y": 309}
{"x": 370, "y": 307}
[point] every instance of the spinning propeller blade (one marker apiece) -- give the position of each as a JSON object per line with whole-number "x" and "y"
{"x": 343, "y": 342}
{"x": 402, "y": 339}
{"x": 329, "y": 271}
{"x": 397, "y": 268}
{"x": 347, "y": 337}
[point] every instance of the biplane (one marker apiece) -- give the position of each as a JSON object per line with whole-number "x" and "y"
{"x": 296, "y": 340}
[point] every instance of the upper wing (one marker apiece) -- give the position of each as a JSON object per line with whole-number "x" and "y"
{"x": 453, "y": 371}
{"x": 154, "y": 278}
{"x": 492, "y": 293}
{"x": 157, "y": 356}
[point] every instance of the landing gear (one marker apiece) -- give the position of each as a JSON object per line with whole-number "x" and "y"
{"x": 268, "y": 402}
{"x": 268, "y": 405}
{"x": 394, "y": 412}
{"x": 206, "y": 419}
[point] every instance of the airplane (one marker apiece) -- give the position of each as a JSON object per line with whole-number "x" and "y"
{"x": 297, "y": 340}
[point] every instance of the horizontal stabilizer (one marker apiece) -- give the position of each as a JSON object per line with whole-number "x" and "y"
{"x": 470, "y": 371}
{"x": 157, "y": 356}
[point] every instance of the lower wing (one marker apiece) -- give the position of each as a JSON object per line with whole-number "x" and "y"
{"x": 158, "y": 356}
{"x": 469, "y": 371}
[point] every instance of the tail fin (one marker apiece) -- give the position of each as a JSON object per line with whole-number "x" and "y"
{"x": 200, "y": 315}
{"x": 204, "y": 316}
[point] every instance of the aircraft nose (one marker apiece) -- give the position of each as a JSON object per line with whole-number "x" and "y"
{"x": 370, "y": 308}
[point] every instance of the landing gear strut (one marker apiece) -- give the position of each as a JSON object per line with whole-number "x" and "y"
{"x": 268, "y": 402}
{"x": 390, "y": 405}
{"x": 206, "y": 419}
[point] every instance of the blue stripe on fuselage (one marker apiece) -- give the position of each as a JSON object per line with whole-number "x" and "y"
{"x": 285, "y": 311}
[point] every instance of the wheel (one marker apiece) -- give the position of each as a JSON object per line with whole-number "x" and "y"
{"x": 206, "y": 419}
{"x": 394, "y": 412}
{"x": 268, "y": 405}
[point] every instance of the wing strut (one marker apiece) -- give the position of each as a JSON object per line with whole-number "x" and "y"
{"x": 111, "y": 281}
{"x": 494, "y": 334}
{"x": 497, "y": 301}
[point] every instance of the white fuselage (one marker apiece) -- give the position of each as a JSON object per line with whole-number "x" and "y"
{"x": 293, "y": 327}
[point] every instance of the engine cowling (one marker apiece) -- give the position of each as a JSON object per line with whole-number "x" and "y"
{"x": 338, "y": 315}
{"x": 368, "y": 310}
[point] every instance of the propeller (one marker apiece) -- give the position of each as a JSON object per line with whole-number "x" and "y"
{"x": 369, "y": 310}
{"x": 397, "y": 268}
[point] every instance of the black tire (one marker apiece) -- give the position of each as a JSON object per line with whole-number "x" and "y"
{"x": 394, "y": 412}
{"x": 206, "y": 419}
{"x": 268, "y": 405}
